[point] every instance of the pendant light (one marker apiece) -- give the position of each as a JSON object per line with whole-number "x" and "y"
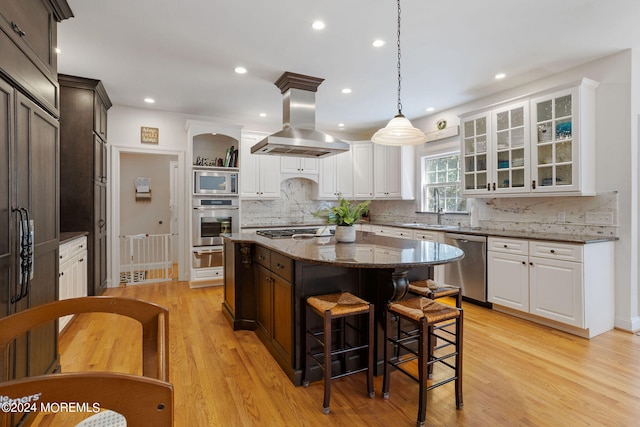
{"x": 399, "y": 130}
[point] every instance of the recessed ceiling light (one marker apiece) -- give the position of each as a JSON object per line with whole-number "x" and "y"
{"x": 346, "y": 90}
{"x": 430, "y": 109}
{"x": 263, "y": 114}
{"x": 149, "y": 100}
{"x": 240, "y": 70}
{"x": 58, "y": 50}
{"x": 500, "y": 76}
{"x": 317, "y": 25}
{"x": 378, "y": 43}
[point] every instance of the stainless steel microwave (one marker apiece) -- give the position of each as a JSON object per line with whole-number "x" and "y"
{"x": 215, "y": 182}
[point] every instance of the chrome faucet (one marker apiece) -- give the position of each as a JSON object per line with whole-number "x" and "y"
{"x": 437, "y": 207}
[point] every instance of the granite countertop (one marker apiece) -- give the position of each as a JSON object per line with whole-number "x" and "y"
{"x": 368, "y": 251}
{"x": 531, "y": 235}
{"x": 556, "y": 237}
{"x": 66, "y": 236}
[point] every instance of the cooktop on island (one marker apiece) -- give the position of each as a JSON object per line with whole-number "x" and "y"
{"x": 286, "y": 233}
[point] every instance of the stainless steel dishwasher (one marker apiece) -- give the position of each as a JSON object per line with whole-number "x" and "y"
{"x": 470, "y": 273}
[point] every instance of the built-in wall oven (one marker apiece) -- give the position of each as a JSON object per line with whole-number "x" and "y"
{"x": 211, "y": 219}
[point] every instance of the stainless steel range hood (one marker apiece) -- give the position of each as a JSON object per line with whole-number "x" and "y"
{"x": 299, "y": 137}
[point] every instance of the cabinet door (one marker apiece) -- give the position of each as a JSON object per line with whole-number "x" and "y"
{"x": 249, "y": 168}
{"x": 269, "y": 177}
{"x": 556, "y": 290}
{"x": 475, "y": 155}
{"x": 290, "y": 165}
{"x": 9, "y": 225}
{"x": 327, "y": 187}
{"x": 510, "y": 145}
{"x": 309, "y": 165}
{"x": 508, "y": 280}
{"x": 263, "y": 298}
{"x": 380, "y": 176}
{"x": 394, "y": 165}
{"x": 100, "y": 118}
{"x": 362, "y": 170}
{"x": 344, "y": 174}
{"x": 283, "y": 316}
{"x": 37, "y": 151}
{"x": 555, "y": 135}
{"x": 99, "y": 280}
{"x": 99, "y": 159}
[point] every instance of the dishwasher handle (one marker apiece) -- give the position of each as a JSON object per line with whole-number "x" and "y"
{"x": 468, "y": 237}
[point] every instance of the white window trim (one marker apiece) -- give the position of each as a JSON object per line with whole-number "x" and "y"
{"x": 423, "y": 197}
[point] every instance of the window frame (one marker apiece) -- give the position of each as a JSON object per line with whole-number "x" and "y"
{"x": 425, "y": 188}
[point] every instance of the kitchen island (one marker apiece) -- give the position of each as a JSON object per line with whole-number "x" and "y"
{"x": 267, "y": 282}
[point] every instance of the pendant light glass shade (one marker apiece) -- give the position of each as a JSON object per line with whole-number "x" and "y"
{"x": 399, "y": 131}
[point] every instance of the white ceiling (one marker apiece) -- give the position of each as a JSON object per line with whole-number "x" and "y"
{"x": 183, "y": 53}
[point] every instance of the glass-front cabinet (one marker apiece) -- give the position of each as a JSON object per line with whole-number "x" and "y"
{"x": 539, "y": 144}
{"x": 475, "y": 160}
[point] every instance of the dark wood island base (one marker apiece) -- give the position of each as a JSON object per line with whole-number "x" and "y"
{"x": 268, "y": 280}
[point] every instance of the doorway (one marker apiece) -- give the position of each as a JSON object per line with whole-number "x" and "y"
{"x": 146, "y": 211}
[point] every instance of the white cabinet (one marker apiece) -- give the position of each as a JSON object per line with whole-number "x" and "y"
{"x": 336, "y": 177}
{"x": 362, "y": 157}
{"x": 259, "y": 174}
{"x": 569, "y": 284}
{"x": 72, "y": 280}
{"x": 306, "y": 167}
{"x": 393, "y": 172}
{"x": 539, "y": 144}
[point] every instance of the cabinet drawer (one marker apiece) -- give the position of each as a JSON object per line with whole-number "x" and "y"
{"x": 402, "y": 233}
{"x": 555, "y": 250}
{"x": 510, "y": 246}
{"x": 262, "y": 256}
{"x": 433, "y": 236}
{"x": 282, "y": 266}
{"x": 31, "y": 23}
{"x": 72, "y": 248}
{"x": 382, "y": 231}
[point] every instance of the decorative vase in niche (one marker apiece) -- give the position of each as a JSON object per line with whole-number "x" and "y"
{"x": 345, "y": 233}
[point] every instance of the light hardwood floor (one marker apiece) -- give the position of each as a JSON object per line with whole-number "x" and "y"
{"x": 516, "y": 373}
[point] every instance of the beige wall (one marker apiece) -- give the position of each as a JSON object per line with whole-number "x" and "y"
{"x": 138, "y": 217}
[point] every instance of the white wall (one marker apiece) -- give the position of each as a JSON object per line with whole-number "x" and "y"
{"x": 617, "y": 117}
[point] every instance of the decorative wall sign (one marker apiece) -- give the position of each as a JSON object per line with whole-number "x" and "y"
{"x": 148, "y": 135}
{"x": 443, "y": 133}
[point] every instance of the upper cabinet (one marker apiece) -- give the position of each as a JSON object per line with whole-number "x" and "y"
{"x": 259, "y": 173}
{"x": 393, "y": 172}
{"x": 362, "y": 157}
{"x": 336, "y": 176}
{"x": 299, "y": 167}
{"x": 28, "y": 37}
{"x": 541, "y": 144}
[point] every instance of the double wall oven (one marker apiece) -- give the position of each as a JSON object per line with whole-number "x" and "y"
{"x": 212, "y": 217}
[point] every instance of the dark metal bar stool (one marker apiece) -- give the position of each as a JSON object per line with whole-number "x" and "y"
{"x": 431, "y": 321}
{"x": 433, "y": 290}
{"x": 339, "y": 306}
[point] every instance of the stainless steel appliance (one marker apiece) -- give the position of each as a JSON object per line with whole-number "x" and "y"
{"x": 215, "y": 182}
{"x": 213, "y": 217}
{"x": 470, "y": 272}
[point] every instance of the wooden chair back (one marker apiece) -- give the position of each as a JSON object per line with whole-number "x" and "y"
{"x": 153, "y": 318}
{"x": 142, "y": 401}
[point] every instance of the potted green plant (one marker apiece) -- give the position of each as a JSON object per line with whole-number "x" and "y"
{"x": 344, "y": 215}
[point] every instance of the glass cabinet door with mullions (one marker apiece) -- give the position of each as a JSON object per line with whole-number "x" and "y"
{"x": 510, "y": 143}
{"x": 475, "y": 161}
{"x": 554, "y": 133}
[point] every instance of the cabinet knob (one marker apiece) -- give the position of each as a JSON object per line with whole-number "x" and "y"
{"x": 81, "y": 260}
{"x": 61, "y": 274}
{"x": 553, "y": 251}
{"x": 531, "y": 264}
{"x": 524, "y": 263}
{"x": 505, "y": 246}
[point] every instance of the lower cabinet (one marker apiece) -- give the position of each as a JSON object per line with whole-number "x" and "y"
{"x": 73, "y": 272}
{"x": 571, "y": 284}
{"x": 274, "y": 302}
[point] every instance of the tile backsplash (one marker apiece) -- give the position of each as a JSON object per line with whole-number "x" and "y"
{"x": 590, "y": 215}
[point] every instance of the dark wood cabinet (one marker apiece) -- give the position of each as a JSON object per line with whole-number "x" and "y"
{"x": 83, "y": 169}
{"x": 29, "y": 175}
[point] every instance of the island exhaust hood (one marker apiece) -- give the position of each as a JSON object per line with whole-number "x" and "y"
{"x": 298, "y": 137}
